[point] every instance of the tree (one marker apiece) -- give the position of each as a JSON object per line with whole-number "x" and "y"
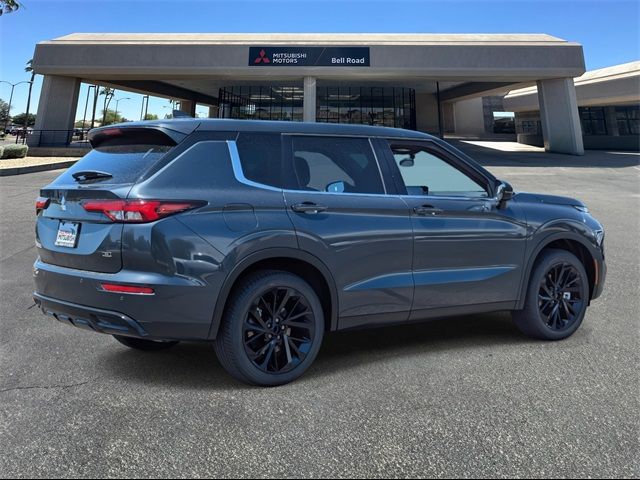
{"x": 22, "y": 118}
{"x": 29, "y": 69}
{"x": 109, "y": 117}
{"x": 8, "y": 6}
{"x": 108, "y": 95}
{"x": 4, "y": 112}
{"x": 151, "y": 116}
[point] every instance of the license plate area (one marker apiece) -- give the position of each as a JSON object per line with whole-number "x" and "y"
{"x": 68, "y": 234}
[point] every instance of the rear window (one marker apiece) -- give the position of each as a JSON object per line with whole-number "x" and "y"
{"x": 125, "y": 163}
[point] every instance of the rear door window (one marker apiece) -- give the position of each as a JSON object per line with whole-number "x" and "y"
{"x": 335, "y": 164}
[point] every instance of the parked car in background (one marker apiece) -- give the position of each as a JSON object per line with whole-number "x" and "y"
{"x": 261, "y": 236}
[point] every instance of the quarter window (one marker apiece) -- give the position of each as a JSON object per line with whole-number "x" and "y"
{"x": 261, "y": 158}
{"x": 424, "y": 173}
{"x": 336, "y": 164}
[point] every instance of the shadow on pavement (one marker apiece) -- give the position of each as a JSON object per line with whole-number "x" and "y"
{"x": 492, "y": 157}
{"x": 195, "y": 366}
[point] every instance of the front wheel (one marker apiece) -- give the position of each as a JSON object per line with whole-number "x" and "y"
{"x": 557, "y": 297}
{"x": 272, "y": 329}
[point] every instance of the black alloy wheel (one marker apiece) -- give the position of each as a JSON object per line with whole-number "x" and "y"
{"x": 560, "y": 296}
{"x": 556, "y": 298}
{"x": 278, "y": 330}
{"x": 272, "y": 329}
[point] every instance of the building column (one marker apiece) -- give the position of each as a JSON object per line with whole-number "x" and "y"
{"x": 188, "y": 107}
{"x": 56, "y": 110}
{"x": 561, "y": 129}
{"x": 309, "y": 102}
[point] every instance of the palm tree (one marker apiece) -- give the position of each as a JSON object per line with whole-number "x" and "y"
{"x": 8, "y": 6}
{"x": 108, "y": 95}
{"x": 29, "y": 69}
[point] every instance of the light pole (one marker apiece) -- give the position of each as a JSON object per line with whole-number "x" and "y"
{"x": 13, "y": 85}
{"x": 86, "y": 105}
{"x": 144, "y": 107}
{"x": 115, "y": 117}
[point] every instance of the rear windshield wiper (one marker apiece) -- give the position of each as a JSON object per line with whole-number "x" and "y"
{"x": 88, "y": 175}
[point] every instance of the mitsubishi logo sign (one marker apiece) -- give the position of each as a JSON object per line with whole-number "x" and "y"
{"x": 262, "y": 57}
{"x": 304, "y": 56}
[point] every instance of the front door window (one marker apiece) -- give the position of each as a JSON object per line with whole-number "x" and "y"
{"x": 424, "y": 173}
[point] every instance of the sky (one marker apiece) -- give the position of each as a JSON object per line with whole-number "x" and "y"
{"x": 608, "y": 29}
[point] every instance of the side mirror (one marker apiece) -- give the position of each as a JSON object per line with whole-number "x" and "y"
{"x": 504, "y": 193}
{"x": 336, "y": 187}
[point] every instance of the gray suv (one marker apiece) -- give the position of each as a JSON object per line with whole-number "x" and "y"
{"x": 261, "y": 236}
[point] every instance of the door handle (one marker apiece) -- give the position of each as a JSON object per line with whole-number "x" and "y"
{"x": 425, "y": 210}
{"x": 309, "y": 208}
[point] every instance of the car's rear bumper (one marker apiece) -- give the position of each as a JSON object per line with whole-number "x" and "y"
{"x": 181, "y": 308}
{"x": 88, "y": 318}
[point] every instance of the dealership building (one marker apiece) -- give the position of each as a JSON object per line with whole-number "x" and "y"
{"x": 608, "y": 107}
{"x": 417, "y": 81}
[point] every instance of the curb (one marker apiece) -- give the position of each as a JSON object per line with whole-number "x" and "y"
{"x": 5, "y": 172}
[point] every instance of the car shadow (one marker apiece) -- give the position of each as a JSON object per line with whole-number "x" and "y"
{"x": 355, "y": 348}
{"x": 195, "y": 366}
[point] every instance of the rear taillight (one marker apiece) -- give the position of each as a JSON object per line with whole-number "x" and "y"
{"x": 41, "y": 204}
{"x": 130, "y": 289}
{"x": 137, "y": 211}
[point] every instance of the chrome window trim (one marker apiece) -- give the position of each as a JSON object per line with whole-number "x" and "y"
{"x": 437, "y": 197}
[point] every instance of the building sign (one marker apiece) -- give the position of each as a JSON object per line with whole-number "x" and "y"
{"x": 309, "y": 56}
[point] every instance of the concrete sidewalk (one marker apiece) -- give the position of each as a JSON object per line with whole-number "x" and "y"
{"x": 18, "y": 166}
{"x": 491, "y": 153}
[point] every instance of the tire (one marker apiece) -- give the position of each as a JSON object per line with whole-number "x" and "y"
{"x": 259, "y": 348}
{"x": 557, "y": 297}
{"x": 145, "y": 345}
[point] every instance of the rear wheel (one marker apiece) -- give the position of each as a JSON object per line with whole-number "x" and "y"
{"x": 557, "y": 297}
{"x": 145, "y": 345}
{"x": 272, "y": 329}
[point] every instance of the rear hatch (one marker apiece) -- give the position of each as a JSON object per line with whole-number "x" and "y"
{"x": 68, "y": 232}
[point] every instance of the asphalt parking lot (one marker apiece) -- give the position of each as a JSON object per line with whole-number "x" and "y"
{"x": 463, "y": 397}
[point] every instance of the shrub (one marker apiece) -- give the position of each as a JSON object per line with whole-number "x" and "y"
{"x": 1, "y": 150}
{"x": 14, "y": 151}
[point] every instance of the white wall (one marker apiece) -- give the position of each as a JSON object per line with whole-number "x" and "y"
{"x": 469, "y": 117}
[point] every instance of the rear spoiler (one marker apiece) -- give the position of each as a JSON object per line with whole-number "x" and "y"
{"x": 140, "y": 133}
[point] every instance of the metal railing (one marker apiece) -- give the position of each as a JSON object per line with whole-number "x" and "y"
{"x": 54, "y": 138}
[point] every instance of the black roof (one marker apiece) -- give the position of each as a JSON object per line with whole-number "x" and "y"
{"x": 188, "y": 125}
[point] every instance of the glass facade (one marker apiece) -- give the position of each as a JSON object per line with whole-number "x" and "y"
{"x": 592, "y": 120}
{"x": 385, "y": 106}
{"x": 628, "y": 119}
{"x": 261, "y": 103}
